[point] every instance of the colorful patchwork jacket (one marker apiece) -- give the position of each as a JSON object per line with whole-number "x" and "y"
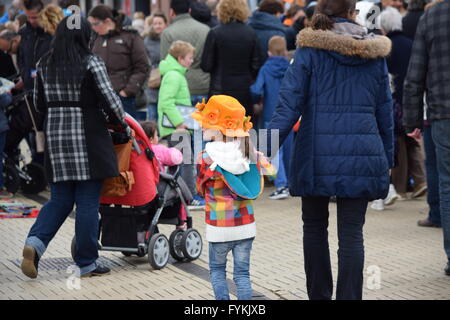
{"x": 229, "y": 198}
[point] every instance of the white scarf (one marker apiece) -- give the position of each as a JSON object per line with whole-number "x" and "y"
{"x": 228, "y": 156}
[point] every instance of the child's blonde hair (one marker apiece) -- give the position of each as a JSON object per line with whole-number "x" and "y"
{"x": 180, "y": 49}
{"x": 277, "y": 46}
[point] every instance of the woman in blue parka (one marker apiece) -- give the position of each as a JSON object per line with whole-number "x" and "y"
{"x": 338, "y": 83}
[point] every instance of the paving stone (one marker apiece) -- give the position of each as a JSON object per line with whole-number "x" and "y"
{"x": 411, "y": 260}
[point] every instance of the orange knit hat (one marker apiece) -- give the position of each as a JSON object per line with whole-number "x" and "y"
{"x": 223, "y": 113}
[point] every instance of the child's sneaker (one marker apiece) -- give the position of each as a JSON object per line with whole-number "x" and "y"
{"x": 392, "y": 196}
{"x": 5, "y": 194}
{"x": 198, "y": 203}
{"x": 280, "y": 193}
{"x": 377, "y": 205}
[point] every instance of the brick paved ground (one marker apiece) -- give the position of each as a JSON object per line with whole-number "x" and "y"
{"x": 409, "y": 260}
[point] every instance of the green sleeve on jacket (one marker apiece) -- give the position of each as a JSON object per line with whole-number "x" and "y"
{"x": 167, "y": 94}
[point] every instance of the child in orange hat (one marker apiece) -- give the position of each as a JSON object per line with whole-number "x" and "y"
{"x": 229, "y": 176}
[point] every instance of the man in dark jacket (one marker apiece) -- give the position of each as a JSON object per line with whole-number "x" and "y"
{"x": 409, "y": 153}
{"x": 34, "y": 44}
{"x": 428, "y": 73}
{"x": 9, "y": 41}
{"x": 201, "y": 13}
{"x": 299, "y": 24}
{"x": 266, "y": 22}
{"x": 292, "y": 31}
{"x": 411, "y": 20}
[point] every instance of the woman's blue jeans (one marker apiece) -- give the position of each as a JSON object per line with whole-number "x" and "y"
{"x": 86, "y": 196}
{"x": 218, "y": 252}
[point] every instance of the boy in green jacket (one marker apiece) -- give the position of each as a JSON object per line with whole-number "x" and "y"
{"x": 174, "y": 90}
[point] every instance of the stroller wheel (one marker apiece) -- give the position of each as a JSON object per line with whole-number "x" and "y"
{"x": 158, "y": 251}
{"x": 11, "y": 178}
{"x": 192, "y": 244}
{"x": 37, "y": 182}
{"x": 176, "y": 250}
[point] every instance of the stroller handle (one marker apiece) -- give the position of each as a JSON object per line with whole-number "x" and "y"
{"x": 174, "y": 171}
{"x": 133, "y": 140}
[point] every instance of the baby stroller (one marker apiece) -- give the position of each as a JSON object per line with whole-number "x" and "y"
{"x": 29, "y": 177}
{"x": 129, "y": 224}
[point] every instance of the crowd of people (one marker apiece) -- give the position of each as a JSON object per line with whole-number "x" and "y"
{"x": 360, "y": 102}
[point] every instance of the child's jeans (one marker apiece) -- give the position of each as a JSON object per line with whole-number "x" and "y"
{"x": 218, "y": 252}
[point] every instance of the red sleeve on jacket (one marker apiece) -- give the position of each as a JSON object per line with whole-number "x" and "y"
{"x": 203, "y": 172}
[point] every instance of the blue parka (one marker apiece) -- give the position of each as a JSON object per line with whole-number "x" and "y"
{"x": 268, "y": 84}
{"x": 266, "y": 26}
{"x": 339, "y": 85}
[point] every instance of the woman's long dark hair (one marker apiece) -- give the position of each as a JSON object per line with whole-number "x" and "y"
{"x": 66, "y": 60}
{"x": 326, "y": 10}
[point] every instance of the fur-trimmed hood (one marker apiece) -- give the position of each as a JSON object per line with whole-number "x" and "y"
{"x": 364, "y": 46}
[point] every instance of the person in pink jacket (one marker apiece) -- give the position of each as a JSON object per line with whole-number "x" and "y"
{"x": 167, "y": 157}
